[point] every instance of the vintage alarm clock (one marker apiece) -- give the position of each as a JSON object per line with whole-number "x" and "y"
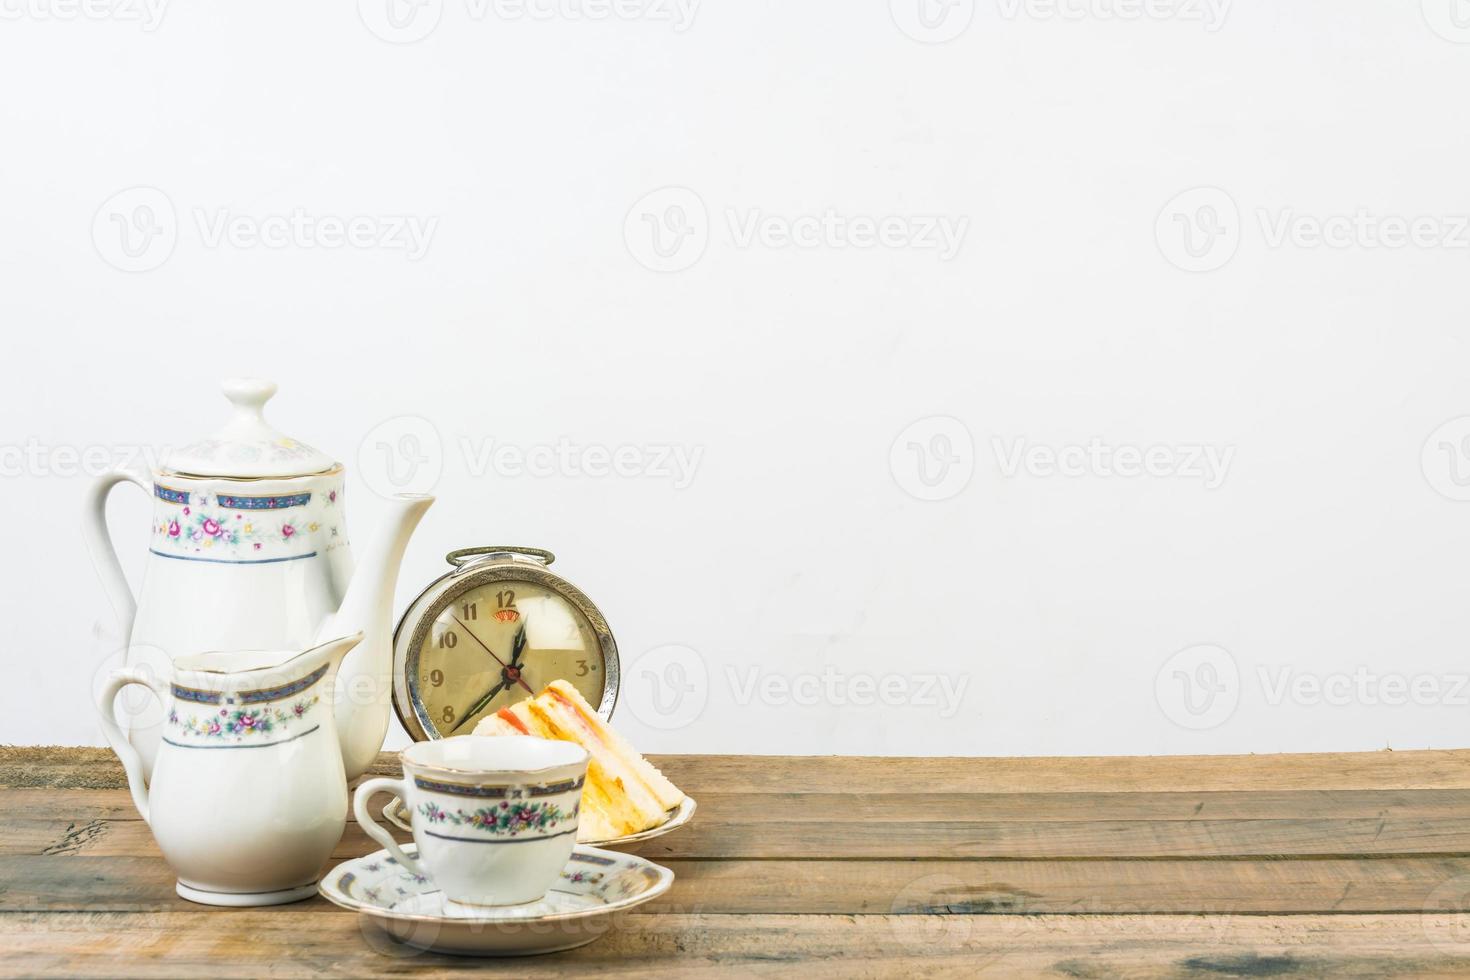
{"x": 494, "y": 631}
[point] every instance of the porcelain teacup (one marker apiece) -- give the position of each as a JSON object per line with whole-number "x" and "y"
{"x": 494, "y": 817}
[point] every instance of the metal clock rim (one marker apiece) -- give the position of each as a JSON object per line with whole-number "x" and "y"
{"x": 469, "y": 576}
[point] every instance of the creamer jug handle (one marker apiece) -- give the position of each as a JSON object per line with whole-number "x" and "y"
{"x": 99, "y": 545}
{"x": 132, "y": 762}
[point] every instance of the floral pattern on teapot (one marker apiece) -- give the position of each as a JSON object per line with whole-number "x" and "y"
{"x": 199, "y": 525}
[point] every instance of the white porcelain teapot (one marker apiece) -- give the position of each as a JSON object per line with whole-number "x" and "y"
{"x": 248, "y": 551}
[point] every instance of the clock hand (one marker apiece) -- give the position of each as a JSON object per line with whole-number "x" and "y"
{"x": 518, "y": 647}
{"x": 479, "y": 706}
{"x": 511, "y": 672}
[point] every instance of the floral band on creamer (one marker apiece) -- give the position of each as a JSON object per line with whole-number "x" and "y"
{"x": 496, "y": 792}
{"x": 198, "y": 697}
{"x": 284, "y": 690}
{"x": 245, "y": 727}
{"x": 260, "y": 696}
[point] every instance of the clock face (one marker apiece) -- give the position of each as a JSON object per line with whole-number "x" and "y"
{"x": 490, "y": 645}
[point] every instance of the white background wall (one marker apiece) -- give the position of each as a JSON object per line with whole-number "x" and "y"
{"x": 814, "y": 382}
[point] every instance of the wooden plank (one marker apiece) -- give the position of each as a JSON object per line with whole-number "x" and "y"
{"x": 775, "y": 802}
{"x": 710, "y": 838}
{"x": 1424, "y": 769}
{"x": 1392, "y": 884}
{"x": 194, "y": 943}
{"x": 1439, "y": 769}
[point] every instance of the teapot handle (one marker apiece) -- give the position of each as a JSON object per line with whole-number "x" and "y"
{"x": 132, "y": 763}
{"x": 99, "y": 545}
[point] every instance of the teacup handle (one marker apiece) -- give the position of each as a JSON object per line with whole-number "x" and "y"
{"x": 365, "y": 791}
{"x": 132, "y": 763}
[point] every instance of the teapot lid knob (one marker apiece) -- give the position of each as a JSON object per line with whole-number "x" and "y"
{"x": 247, "y": 447}
{"x": 249, "y": 395}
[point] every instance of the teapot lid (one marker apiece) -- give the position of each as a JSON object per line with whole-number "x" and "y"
{"x": 247, "y": 447}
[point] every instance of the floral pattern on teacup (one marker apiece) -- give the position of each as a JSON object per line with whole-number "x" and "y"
{"x": 504, "y": 819}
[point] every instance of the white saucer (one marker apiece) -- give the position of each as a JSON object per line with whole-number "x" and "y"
{"x": 580, "y": 907}
{"x": 398, "y": 816}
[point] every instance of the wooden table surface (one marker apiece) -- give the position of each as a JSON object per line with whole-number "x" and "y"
{"x": 1342, "y": 865}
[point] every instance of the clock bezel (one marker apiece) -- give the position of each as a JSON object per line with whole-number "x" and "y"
{"x": 444, "y": 591}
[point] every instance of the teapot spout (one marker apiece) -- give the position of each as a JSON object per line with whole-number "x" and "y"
{"x": 365, "y": 684}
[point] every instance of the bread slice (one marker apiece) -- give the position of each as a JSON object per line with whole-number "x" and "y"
{"x": 624, "y": 794}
